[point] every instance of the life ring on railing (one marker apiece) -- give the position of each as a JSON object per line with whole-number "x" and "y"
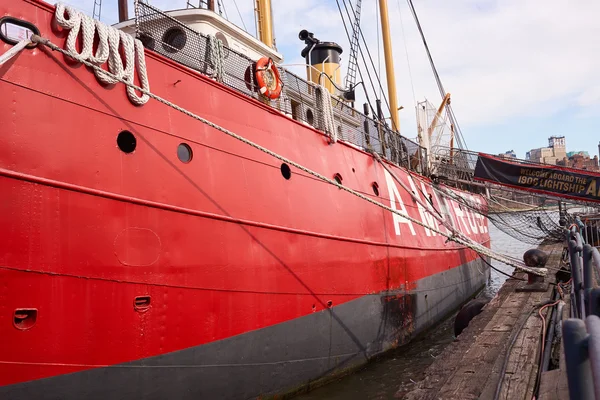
{"x": 267, "y": 78}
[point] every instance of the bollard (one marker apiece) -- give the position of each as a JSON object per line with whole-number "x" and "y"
{"x": 579, "y": 375}
{"x": 576, "y": 275}
{"x": 592, "y": 323}
{"x": 534, "y": 258}
{"x": 587, "y": 276}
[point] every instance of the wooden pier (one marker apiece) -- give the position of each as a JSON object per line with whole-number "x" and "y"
{"x": 503, "y": 343}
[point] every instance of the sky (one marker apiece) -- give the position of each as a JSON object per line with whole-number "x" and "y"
{"x": 519, "y": 71}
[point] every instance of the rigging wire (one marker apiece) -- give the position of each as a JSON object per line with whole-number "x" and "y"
{"x": 412, "y": 85}
{"x": 377, "y": 17}
{"x": 364, "y": 59}
{"x": 458, "y": 132}
{"x": 358, "y": 66}
{"x": 240, "y": 14}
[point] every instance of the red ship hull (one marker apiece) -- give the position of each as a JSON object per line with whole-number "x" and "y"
{"x": 246, "y": 283}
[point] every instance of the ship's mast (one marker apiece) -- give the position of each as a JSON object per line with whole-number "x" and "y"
{"x": 389, "y": 64}
{"x": 123, "y": 12}
{"x": 265, "y": 22}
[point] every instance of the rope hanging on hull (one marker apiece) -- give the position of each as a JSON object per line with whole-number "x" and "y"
{"x": 110, "y": 40}
{"x": 217, "y": 55}
{"x": 326, "y": 108}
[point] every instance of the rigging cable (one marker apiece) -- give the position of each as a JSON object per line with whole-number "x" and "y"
{"x": 375, "y": 114}
{"x": 358, "y": 68}
{"x": 458, "y": 135}
{"x": 412, "y": 85}
{"x": 240, "y": 14}
{"x": 377, "y": 17}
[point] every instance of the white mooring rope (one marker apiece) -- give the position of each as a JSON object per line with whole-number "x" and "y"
{"x": 326, "y": 110}
{"x": 217, "y": 57}
{"x": 16, "y": 49}
{"x": 109, "y": 42}
{"x": 460, "y": 240}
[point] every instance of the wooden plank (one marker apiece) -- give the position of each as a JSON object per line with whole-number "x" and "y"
{"x": 469, "y": 368}
{"x": 522, "y": 368}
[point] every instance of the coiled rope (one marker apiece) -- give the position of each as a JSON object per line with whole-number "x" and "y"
{"x": 110, "y": 40}
{"x": 457, "y": 239}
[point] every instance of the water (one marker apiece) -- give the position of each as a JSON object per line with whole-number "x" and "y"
{"x": 397, "y": 372}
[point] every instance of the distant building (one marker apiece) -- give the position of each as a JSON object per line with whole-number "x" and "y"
{"x": 556, "y": 150}
{"x": 580, "y": 160}
{"x": 508, "y": 154}
{"x": 582, "y": 153}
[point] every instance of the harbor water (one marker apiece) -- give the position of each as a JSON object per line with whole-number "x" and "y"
{"x": 396, "y": 373}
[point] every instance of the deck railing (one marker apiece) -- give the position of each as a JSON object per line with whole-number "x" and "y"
{"x": 171, "y": 38}
{"x": 581, "y": 332}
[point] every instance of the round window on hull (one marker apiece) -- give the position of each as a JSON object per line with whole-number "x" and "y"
{"x": 286, "y": 172}
{"x": 184, "y": 153}
{"x": 126, "y": 142}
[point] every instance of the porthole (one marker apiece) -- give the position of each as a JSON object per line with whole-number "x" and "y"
{"x": 310, "y": 117}
{"x": 375, "y": 188}
{"x": 286, "y": 171}
{"x": 338, "y": 178}
{"x": 174, "y": 39}
{"x": 184, "y": 153}
{"x": 126, "y": 142}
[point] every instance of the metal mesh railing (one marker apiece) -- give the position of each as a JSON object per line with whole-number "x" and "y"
{"x": 454, "y": 164}
{"x": 171, "y": 38}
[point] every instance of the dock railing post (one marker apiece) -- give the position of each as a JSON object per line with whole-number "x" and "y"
{"x": 595, "y": 302}
{"x": 576, "y": 274}
{"x": 587, "y": 276}
{"x": 579, "y": 374}
{"x": 592, "y": 324}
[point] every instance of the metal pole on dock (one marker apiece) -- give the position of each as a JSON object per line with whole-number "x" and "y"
{"x": 587, "y": 276}
{"x": 592, "y": 324}
{"x": 579, "y": 374}
{"x": 576, "y": 274}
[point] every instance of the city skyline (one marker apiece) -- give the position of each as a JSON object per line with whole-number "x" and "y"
{"x": 569, "y": 149}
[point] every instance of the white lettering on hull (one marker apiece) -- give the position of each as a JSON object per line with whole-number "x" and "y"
{"x": 426, "y": 215}
{"x": 457, "y": 216}
{"x": 397, "y": 204}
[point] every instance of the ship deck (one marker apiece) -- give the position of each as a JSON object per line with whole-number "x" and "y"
{"x": 470, "y": 367}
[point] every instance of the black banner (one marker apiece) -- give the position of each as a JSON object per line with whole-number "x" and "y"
{"x": 553, "y": 180}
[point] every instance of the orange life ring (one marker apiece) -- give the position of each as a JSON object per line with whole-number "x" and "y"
{"x": 267, "y": 77}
